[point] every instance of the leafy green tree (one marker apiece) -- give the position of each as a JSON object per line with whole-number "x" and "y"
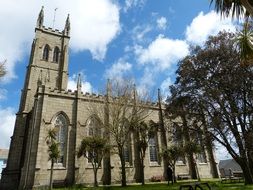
{"x": 220, "y": 96}
{"x": 53, "y": 151}
{"x": 93, "y": 148}
{"x": 177, "y": 109}
{"x": 172, "y": 154}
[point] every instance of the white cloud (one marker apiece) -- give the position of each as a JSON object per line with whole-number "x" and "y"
{"x": 94, "y": 24}
{"x": 205, "y": 25}
{"x": 147, "y": 80}
{"x": 161, "y": 23}
{"x": 221, "y": 152}
{"x": 133, "y": 3}
{"x": 165, "y": 86}
{"x": 7, "y": 116}
{"x": 72, "y": 83}
{"x": 162, "y": 52}
{"x": 139, "y": 32}
{"x": 118, "y": 70}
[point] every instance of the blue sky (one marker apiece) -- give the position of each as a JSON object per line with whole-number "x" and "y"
{"x": 138, "y": 39}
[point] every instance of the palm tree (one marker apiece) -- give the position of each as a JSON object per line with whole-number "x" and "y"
{"x": 53, "y": 151}
{"x": 244, "y": 39}
{"x": 236, "y": 6}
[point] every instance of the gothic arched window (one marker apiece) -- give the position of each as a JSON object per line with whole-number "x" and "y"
{"x": 56, "y": 54}
{"x": 201, "y": 156}
{"x": 46, "y": 52}
{"x": 94, "y": 127}
{"x": 127, "y": 150}
{"x": 60, "y": 124}
{"x": 153, "y": 149}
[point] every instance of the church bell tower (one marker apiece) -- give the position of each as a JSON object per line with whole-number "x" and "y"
{"x": 47, "y": 68}
{"x": 48, "y": 61}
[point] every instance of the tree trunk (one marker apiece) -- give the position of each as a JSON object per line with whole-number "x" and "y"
{"x": 250, "y": 165}
{"x": 95, "y": 178}
{"x": 190, "y": 158}
{"x": 249, "y": 150}
{"x": 192, "y": 168}
{"x": 123, "y": 168}
{"x": 51, "y": 175}
{"x": 209, "y": 148}
{"x": 142, "y": 172}
{"x": 174, "y": 174}
{"x": 246, "y": 172}
{"x": 107, "y": 169}
{"x": 242, "y": 161}
{"x": 107, "y": 158}
{"x": 163, "y": 137}
{"x": 212, "y": 162}
{"x": 137, "y": 159}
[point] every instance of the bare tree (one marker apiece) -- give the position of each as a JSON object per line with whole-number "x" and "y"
{"x": 124, "y": 111}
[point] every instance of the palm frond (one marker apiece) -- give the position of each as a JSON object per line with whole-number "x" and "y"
{"x": 227, "y": 7}
{"x": 244, "y": 40}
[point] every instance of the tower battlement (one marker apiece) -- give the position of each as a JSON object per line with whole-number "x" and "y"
{"x": 50, "y": 30}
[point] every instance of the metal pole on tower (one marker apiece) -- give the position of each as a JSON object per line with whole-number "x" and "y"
{"x": 54, "y": 16}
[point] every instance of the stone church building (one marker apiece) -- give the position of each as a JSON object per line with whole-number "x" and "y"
{"x": 46, "y": 103}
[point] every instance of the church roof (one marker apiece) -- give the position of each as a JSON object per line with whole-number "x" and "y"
{"x": 229, "y": 164}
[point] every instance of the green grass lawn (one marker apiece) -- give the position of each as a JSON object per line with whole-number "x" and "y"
{"x": 216, "y": 185}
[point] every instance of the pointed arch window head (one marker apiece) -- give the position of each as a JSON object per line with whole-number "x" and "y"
{"x": 60, "y": 124}
{"x": 56, "y": 54}
{"x": 94, "y": 127}
{"x": 46, "y": 52}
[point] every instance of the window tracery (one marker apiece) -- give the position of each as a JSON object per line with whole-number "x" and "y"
{"x": 153, "y": 149}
